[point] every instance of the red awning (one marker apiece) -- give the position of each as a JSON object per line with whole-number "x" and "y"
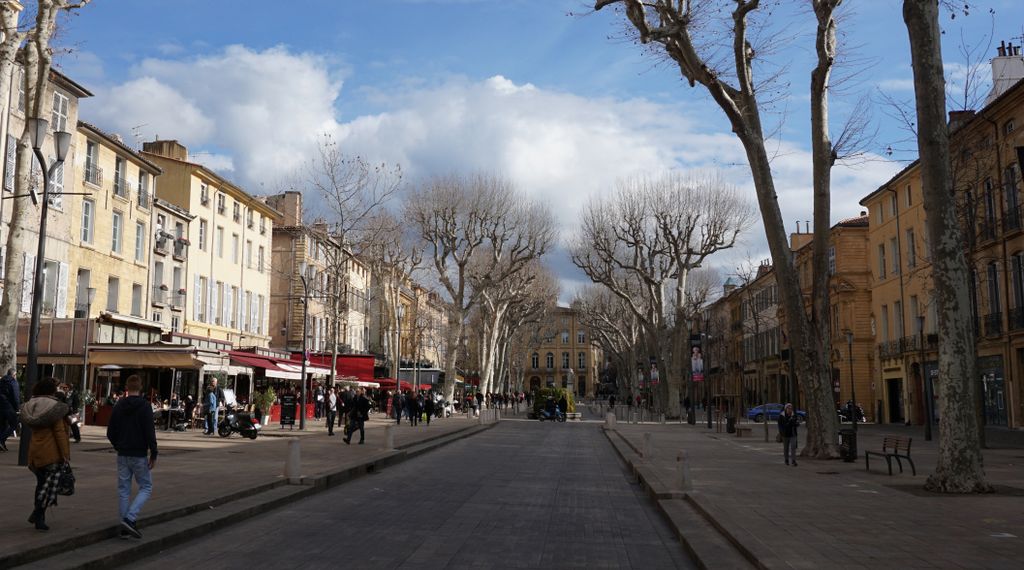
{"x": 256, "y": 361}
{"x": 389, "y": 383}
{"x": 359, "y": 366}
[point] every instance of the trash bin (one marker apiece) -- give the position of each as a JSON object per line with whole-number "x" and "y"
{"x": 690, "y": 417}
{"x": 730, "y": 424}
{"x": 848, "y": 445}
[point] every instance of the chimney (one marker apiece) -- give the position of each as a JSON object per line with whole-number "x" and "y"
{"x": 169, "y": 148}
{"x": 863, "y": 213}
{"x": 958, "y": 119}
{"x": 1007, "y": 70}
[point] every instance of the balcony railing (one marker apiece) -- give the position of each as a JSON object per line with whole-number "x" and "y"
{"x": 1017, "y": 318}
{"x": 1011, "y": 221}
{"x": 159, "y": 296}
{"x": 993, "y": 324}
{"x": 176, "y": 300}
{"x": 121, "y": 187}
{"x": 144, "y": 198}
{"x": 93, "y": 174}
{"x": 180, "y": 250}
{"x": 987, "y": 230}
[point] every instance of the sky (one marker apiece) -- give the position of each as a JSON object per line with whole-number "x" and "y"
{"x": 545, "y": 92}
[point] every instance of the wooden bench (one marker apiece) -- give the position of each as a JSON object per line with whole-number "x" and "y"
{"x": 893, "y": 447}
{"x": 742, "y": 431}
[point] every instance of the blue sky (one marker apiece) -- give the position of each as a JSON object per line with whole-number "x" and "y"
{"x": 558, "y": 102}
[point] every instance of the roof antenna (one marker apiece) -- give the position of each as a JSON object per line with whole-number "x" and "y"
{"x": 137, "y": 134}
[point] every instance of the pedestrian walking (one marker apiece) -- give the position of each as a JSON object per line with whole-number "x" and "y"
{"x": 788, "y": 422}
{"x": 332, "y": 410}
{"x": 49, "y": 450}
{"x": 214, "y": 399}
{"x": 396, "y": 405}
{"x": 413, "y": 404}
{"x": 10, "y": 401}
{"x": 133, "y": 436}
{"x": 357, "y": 417}
{"x": 429, "y": 406}
{"x": 318, "y": 407}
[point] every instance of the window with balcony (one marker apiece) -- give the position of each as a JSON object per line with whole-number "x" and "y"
{"x": 116, "y": 231}
{"x": 988, "y": 227}
{"x": 204, "y": 195}
{"x": 263, "y": 225}
{"x": 120, "y": 182}
{"x": 1012, "y": 192}
{"x": 221, "y": 203}
{"x": 143, "y": 189}
{"x": 549, "y": 360}
{"x": 88, "y": 219}
{"x": 51, "y": 277}
{"x": 1017, "y": 283}
{"x": 55, "y": 192}
{"x": 236, "y": 212}
{"x": 249, "y": 219}
{"x": 202, "y": 234}
{"x": 93, "y": 173}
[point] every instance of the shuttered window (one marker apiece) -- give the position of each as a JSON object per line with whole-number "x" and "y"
{"x": 10, "y": 163}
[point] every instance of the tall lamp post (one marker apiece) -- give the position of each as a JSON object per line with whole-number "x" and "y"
{"x": 853, "y": 384}
{"x": 305, "y": 315}
{"x": 62, "y": 142}
{"x": 399, "y": 313}
{"x": 89, "y": 298}
{"x": 925, "y": 381}
{"x": 707, "y": 372}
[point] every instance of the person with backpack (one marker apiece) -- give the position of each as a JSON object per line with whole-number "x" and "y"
{"x": 10, "y": 401}
{"x": 133, "y": 435}
{"x": 358, "y": 414}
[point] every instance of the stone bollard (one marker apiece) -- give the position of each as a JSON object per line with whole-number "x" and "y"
{"x": 683, "y": 471}
{"x": 662, "y": 418}
{"x": 647, "y": 450}
{"x": 609, "y": 421}
{"x": 389, "y": 436}
{"x": 293, "y": 463}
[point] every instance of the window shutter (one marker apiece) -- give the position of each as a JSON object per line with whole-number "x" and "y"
{"x": 26, "y": 282}
{"x": 242, "y": 315}
{"x": 211, "y": 303}
{"x": 228, "y": 300}
{"x": 239, "y": 309}
{"x": 266, "y": 316}
{"x": 56, "y": 189}
{"x": 10, "y": 163}
{"x": 214, "y": 313}
{"x": 3, "y": 261}
{"x": 197, "y": 299}
{"x": 252, "y": 314}
{"x": 36, "y": 175}
{"x": 62, "y": 291}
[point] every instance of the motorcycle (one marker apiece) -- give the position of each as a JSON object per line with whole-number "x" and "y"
{"x": 558, "y": 416}
{"x": 240, "y": 422}
{"x": 844, "y": 415}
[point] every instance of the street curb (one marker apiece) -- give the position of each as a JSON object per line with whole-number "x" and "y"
{"x": 655, "y": 488}
{"x": 310, "y": 485}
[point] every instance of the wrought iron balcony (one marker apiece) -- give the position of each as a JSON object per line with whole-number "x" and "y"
{"x": 160, "y": 245}
{"x": 1017, "y": 318}
{"x": 159, "y": 295}
{"x": 1011, "y": 221}
{"x": 144, "y": 198}
{"x": 993, "y": 324}
{"x": 93, "y": 174}
{"x": 180, "y": 250}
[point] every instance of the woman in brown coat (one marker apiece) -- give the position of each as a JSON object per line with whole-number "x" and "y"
{"x": 50, "y": 446}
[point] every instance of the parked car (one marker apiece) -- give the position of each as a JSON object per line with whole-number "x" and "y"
{"x": 757, "y": 413}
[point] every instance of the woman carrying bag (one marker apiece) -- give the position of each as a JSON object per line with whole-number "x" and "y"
{"x": 49, "y": 452}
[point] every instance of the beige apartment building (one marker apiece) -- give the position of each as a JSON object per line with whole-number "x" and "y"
{"x": 567, "y": 358}
{"x": 168, "y": 276}
{"x": 986, "y": 150}
{"x": 228, "y": 273}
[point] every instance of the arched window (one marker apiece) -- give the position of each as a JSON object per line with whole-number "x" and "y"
{"x": 534, "y": 360}
{"x": 550, "y": 360}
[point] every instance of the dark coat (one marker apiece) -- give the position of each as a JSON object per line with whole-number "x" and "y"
{"x": 131, "y": 429}
{"x": 359, "y": 409}
{"x": 10, "y": 394}
{"x": 788, "y": 424}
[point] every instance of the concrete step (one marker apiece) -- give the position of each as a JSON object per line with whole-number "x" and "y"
{"x": 705, "y": 545}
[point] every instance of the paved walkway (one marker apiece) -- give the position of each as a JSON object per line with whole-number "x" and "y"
{"x": 191, "y": 469}
{"x": 524, "y": 494}
{"x": 836, "y": 514}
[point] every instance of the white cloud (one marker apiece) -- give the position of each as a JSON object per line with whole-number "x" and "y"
{"x": 905, "y": 84}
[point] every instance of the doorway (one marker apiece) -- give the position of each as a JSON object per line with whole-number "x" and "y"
{"x": 894, "y": 389}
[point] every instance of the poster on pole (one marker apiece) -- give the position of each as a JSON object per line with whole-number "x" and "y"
{"x": 696, "y": 359}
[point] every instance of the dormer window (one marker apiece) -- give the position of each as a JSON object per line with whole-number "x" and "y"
{"x": 1008, "y": 127}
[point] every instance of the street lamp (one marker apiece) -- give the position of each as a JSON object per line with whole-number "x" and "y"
{"x": 89, "y": 298}
{"x": 305, "y": 315}
{"x": 37, "y": 129}
{"x": 707, "y": 371}
{"x": 853, "y": 384}
{"x": 927, "y": 384}
{"x": 399, "y": 313}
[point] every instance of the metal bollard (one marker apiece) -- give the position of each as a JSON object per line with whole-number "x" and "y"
{"x": 647, "y": 448}
{"x": 609, "y": 421}
{"x": 683, "y": 471}
{"x": 293, "y": 463}
{"x": 389, "y": 436}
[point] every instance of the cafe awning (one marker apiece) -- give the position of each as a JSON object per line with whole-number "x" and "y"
{"x": 145, "y": 356}
{"x": 310, "y": 369}
{"x": 220, "y": 362}
{"x": 270, "y": 369}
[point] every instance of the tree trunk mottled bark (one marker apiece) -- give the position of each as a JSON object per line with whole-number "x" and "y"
{"x": 959, "y": 467}
{"x": 451, "y": 354}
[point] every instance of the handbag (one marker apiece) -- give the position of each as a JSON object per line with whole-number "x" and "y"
{"x": 778, "y": 438}
{"x": 65, "y": 480}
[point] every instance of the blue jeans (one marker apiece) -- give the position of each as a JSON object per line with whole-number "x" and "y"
{"x": 127, "y": 468}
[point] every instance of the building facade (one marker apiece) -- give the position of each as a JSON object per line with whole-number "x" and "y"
{"x": 567, "y": 357}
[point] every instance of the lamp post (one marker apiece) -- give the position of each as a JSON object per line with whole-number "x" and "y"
{"x": 89, "y": 297}
{"x": 707, "y": 372}
{"x": 37, "y": 129}
{"x": 305, "y": 315}
{"x": 926, "y": 382}
{"x": 853, "y": 384}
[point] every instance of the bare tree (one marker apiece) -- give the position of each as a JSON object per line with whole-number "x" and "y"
{"x": 480, "y": 220}
{"x": 31, "y": 48}
{"x": 617, "y": 330}
{"x": 959, "y": 468}
{"x": 686, "y": 31}
{"x": 649, "y": 237}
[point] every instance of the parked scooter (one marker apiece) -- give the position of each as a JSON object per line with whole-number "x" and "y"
{"x": 556, "y": 416}
{"x": 844, "y": 413}
{"x": 238, "y": 421}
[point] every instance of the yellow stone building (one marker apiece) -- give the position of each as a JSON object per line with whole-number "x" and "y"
{"x": 228, "y": 276}
{"x": 568, "y": 357}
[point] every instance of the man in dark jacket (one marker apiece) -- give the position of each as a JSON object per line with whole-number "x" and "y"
{"x": 359, "y": 413}
{"x": 132, "y": 434}
{"x": 10, "y": 401}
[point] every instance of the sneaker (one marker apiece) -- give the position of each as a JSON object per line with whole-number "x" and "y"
{"x": 794, "y": 464}
{"x": 3, "y": 446}
{"x": 124, "y": 534}
{"x": 129, "y": 527}
{"x": 346, "y": 440}
{"x": 787, "y": 462}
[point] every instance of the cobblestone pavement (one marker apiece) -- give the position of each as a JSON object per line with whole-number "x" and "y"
{"x": 522, "y": 495}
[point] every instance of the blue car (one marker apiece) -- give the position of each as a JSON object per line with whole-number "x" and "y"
{"x": 757, "y": 413}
